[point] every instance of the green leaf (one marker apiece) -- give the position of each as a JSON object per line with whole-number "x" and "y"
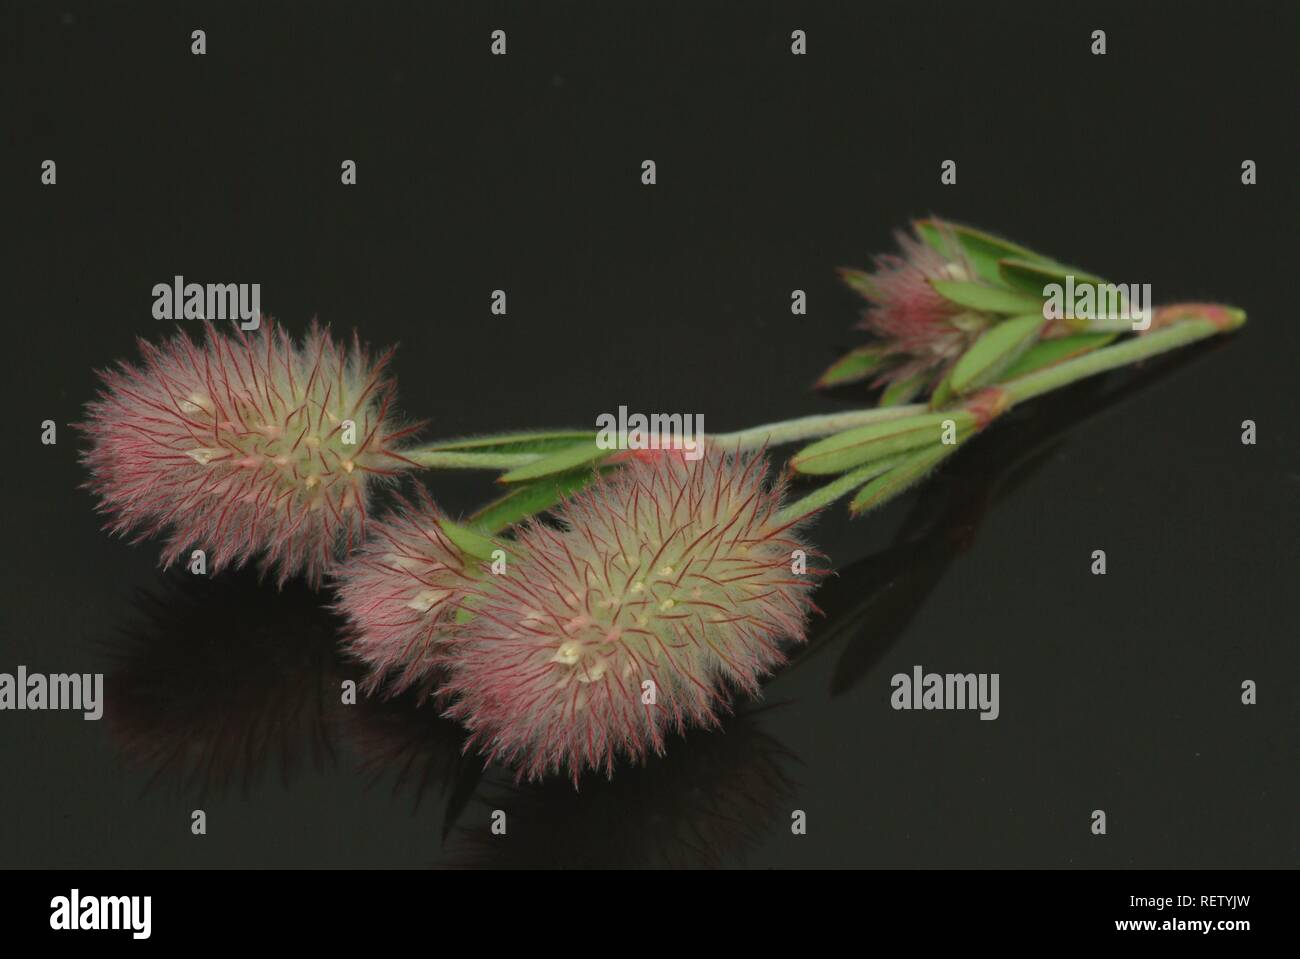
{"x": 982, "y": 249}
{"x": 852, "y": 367}
{"x": 851, "y": 448}
{"x": 1031, "y": 277}
{"x": 906, "y": 473}
{"x": 529, "y": 499}
{"x": 901, "y": 391}
{"x": 540, "y": 442}
{"x": 942, "y": 393}
{"x": 859, "y": 281}
{"x": 830, "y": 492}
{"x": 558, "y": 462}
{"x": 467, "y": 540}
{"x": 1104, "y": 301}
{"x": 1049, "y": 352}
{"x": 986, "y": 299}
{"x": 996, "y": 349}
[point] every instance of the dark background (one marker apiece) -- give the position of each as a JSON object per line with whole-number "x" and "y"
{"x": 523, "y": 173}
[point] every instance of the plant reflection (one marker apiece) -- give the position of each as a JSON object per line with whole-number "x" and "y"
{"x": 223, "y": 682}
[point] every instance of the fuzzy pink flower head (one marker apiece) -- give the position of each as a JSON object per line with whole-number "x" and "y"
{"x": 400, "y": 591}
{"x": 922, "y": 333}
{"x": 672, "y": 582}
{"x": 244, "y": 446}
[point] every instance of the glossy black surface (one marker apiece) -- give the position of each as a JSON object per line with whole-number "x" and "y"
{"x": 476, "y": 173}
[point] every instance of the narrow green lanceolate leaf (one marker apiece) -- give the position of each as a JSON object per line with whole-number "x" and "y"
{"x": 1031, "y": 277}
{"x": 1083, "y": 301}
{"x": 830, "y": 492}
{"x": 986, "y": 299}
{"x": 529, "y": 499}
{"x": 1048, "y": 352}
{"x": 560, "y": 461}
{"x": 852, "y": 448}
{"x": 468, "y": 541}
{"x": 942, "y": 393}
{"x": 996, "y": 349}
{"x": 540, "y": 442}
{"x": 853, "y": 367}
{"x": 906, "y": 473}
{"x": 902, "y": 391}
{"x": 859, "y": 281}
{"x": 982, "y": 249}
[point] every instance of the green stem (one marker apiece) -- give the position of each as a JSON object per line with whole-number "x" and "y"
{"x": 1108, "y": 358}
{"x": 1212, "y": 320}
{"x": 809, "y": 427}
{"x": 438, "y": 456}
